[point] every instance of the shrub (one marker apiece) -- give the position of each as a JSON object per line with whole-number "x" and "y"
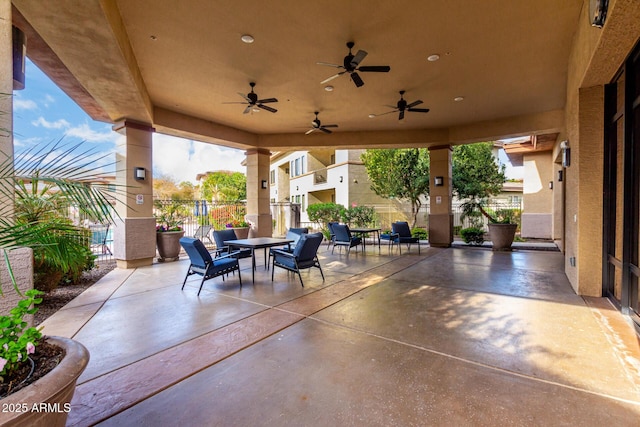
{"x": 322, "y": 213}
{"x": 472, "y": 235}
{"x": 359, "y": 216}
{"x": 420, "y": 233}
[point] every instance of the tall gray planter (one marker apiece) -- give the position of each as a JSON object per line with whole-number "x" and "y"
{"x": 502, "y": 236}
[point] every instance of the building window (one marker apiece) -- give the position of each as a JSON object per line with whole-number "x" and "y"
{"x": 297, "y": 166}
{"x": 302, "y": 203}
{"x": 333, "y": 159}
{"x": 272, "y": 176}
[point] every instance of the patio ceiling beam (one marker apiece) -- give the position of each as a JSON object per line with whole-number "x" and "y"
{"x": 108, "y": 70}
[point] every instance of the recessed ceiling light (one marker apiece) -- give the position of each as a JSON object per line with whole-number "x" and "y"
{"x": 433, "y": 58}
{"x": 458, "y": 98}
{"x": 371, "y": 116}
{"x": 247, "y": 38}
{"x": 152, "y": 37}
{"x": 328, "y": 88}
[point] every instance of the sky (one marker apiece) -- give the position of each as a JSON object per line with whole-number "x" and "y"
{"x": 44, "y": 113}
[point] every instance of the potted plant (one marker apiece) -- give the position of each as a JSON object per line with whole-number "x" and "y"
{"x": 240, "y": 227}
{"x": 502, "y": 227}
{"x": 19, "y": 343}
{"x": 169, "y": 218}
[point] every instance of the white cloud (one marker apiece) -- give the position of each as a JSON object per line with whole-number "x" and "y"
{"x": 24, "y": 104}
{"x": 183, "y": 159}
{"x": 85, "y": 133}
{"x": 58, "y": 124}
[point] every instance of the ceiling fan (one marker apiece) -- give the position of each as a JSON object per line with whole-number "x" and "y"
{"x": 317, "y": 125}
{"x": 351, "y": 65}
{"x": 402, "y": 106}
{"x": 253, "y": 101}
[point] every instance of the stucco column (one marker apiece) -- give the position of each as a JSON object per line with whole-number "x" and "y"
{"x": 6, "y": 88}
{"x": 134, "y": 233}
{"x": 258, "y": 205}
{"x": 440, "y": 215}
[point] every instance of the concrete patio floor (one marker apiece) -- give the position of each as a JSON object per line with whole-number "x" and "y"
{"x": 464, "y": 337}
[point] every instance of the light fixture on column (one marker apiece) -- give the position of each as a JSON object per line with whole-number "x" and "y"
{"x": 19, "y": 57}
{"x": 139, "y": 174}
{"x": 550, "y": 185}
{"x": 566, "y": 153}
{"x": 341, "y": 178}
{"x": 560, "y": 176}
{"x": 264, "y": 184}
{"x": 438, "y": 181}
{"x": 598, "y": 12}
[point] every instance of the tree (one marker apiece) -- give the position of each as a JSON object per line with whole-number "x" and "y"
{"x": 399, "y": 173}
{"x": 476, "y": 176}
{"x": 165, "y": 187}
{"x": 224, "y": 186}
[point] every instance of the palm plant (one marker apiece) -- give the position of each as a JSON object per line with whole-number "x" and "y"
{"x": 44, "y": 181}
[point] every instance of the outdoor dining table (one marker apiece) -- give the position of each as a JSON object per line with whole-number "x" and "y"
{"x": 257, "y": 243}
{"x": 364, "y": 231}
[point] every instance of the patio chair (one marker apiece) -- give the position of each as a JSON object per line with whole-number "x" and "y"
{"x": 304, "y": 256}
{"x": 292, "y": 234}
{"x": 343, "y": 237}
{"x": 332, "y": 235}
{"x": 402, "y": 235}
{"x": 221, "y": 237}
{"x": 203, "y": 233}
{"x": 204, "y": 265}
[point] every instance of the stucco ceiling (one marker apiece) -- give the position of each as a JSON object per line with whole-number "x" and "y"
{"x": 506, "y": 58}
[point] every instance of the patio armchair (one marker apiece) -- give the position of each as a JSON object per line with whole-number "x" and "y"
{"x": 292, "y": 234}
{"x": 305, "y": 255}
{"x": 221, "y": 237}
{"x": 343, "y": 237}
{"x": 203, "y": 233}
{"x": 204, "y": 265}
{"x": 332, "y": 234}
{"x": 402, "y": 235}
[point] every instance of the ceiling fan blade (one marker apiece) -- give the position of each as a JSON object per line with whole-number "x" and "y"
{"x": 401, "y": 115}
{"x": 329, "y": 126}
{"x": 329, "y": 64}
{"x": 266, "y": 101}
{"x": 388, "y": 112}
{"x": 356, "y": 79}
{"x": 247, "y": 110}
{"x": 325, "y": 130}
{"x": 332, "y": 77}
{"x": 413, "y": 104}
{"x": 244, "y": 96}
{"x": 357, "y": 59}
{"x": 419, "y": 110}
{"x": 264, "y": 107}
{"x": 375, "y": 68}
{"x": 233, "y": 102}
{"x": 310, "y": 131}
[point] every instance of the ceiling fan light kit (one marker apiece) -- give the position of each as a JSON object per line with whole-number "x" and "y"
{"x": 316, "y": 124}
{"x": 402, "y": 107}
{"x": 252, "y": 102}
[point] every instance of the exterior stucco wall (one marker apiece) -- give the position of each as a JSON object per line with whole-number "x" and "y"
{"x": 596, "y": 56}
{"x": 537, "y": 215}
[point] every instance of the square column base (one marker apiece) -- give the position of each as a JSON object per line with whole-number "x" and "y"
{"x": 440, "y": 230}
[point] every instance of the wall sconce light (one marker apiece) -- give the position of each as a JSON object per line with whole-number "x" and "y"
{"x": 139, "y": 174}
{"x": 264, "y": 184}
{"x": 341, "y": 178}
{"x": 550, "y": 185}
{"x": 598, "y": 12}
{"x": 355, "y": 181}
{"x": 560, "y": 176}
{"x": 438, "y": 181}
{"x": 297, "y": 188}
{"x": 566, "y": 154}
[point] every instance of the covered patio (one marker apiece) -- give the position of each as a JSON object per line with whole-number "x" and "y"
{"x": 451, "y": 337}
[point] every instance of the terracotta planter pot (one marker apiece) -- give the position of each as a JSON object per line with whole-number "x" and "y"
{"x": 168, "y": 243}
{"x": 51, "y": 394}
{"x": 502, "y": 236}
{"x": 241, "y": 232}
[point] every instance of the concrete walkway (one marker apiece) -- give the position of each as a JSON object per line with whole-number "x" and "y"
{"x": 451, "y": 337}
